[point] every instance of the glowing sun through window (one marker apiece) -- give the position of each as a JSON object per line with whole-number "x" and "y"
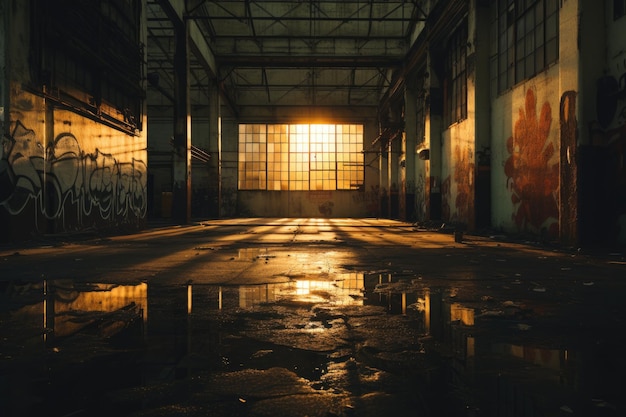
{"x": 300, "y": 157}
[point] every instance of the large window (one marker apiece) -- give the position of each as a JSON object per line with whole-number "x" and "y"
{"x": 88, "y": 55}
{"x": 455, "y": 103}
{"x": 300, "y": 157}
{"x": 528, "y": 39}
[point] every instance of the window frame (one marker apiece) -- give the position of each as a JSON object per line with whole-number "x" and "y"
{"x": 527, "y": 33}
{"x": 455, "y": 84}
{"x": 100, "y": 75}
{"x": 300, "y": 157}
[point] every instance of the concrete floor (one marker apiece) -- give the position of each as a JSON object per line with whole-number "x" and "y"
{"x": 309, "y": 317}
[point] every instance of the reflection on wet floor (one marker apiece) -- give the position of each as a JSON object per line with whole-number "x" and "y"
{"x": 346, "y": 289}
{"x": 354, "y": 345}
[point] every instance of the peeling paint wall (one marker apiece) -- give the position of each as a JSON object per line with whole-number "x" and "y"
{"x": 458, "y": 167}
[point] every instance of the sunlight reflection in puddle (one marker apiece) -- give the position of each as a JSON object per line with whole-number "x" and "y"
{"x": 262, "y": 326}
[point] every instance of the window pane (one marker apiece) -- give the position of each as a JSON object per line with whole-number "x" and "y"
{"x": 539, "y": 35}
{"x": 530, "y": 45}
{"x": 300, "y": 157}
{"x": 552, "y": 6}
{"x": 551, "y": 51}
{"x": 539, "y": 16}
{"x": 539, "y": 59}
{"x": 454, "y": 83}
{"x": 530, "y": 66}
{"x": 551, "y": 27}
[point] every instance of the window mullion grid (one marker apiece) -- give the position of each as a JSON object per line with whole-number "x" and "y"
{"x": 289, "y": 174}
{"x": 266, "y": 157}
{"x": 308, "y": 156}
{"x": 334, "y": 165}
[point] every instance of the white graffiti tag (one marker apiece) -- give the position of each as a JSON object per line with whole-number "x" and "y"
{"x": 61, "y": 179}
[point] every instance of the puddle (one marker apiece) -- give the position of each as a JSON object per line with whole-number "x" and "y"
{"x": 357, "y": 340}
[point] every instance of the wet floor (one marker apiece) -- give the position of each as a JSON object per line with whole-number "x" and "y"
{"x": 355, "y": 344}
{"x": 340, "y": 342}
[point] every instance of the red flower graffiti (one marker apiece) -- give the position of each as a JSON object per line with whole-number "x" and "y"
{"x": 533, "y": 175}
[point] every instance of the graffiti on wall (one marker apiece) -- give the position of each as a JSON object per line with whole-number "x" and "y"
{"x": 532, "y": 170}
{"x": 461, "y": 185}
{"x": 463, "y": 178}
{"x": 61, "y": 175}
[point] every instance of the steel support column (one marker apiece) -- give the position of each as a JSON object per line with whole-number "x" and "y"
{"x": 409, "y": 142}
{"x": 215, "y": 148}
{"x": 181, "y": 164}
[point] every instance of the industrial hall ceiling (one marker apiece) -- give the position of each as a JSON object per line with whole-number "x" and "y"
{"x": 280, "y": 53}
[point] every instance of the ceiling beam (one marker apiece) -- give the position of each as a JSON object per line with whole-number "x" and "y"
{"x": 176, "y": 11}
{"x": 350, "y": 61}
{"x": 309, "y": 18}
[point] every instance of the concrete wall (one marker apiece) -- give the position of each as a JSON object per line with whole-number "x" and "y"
{"x": 61, "y": 171}
{"x": 214, "y": 185}
{"x": 525, "y": 156}
{"x": 304, "y": 204}
{"x": 534, "y": 144}
{"x": 613, "y": 137}
{"x": 602, "y": 179}
{"x": 237, "y": 203}
{"x": 514, "y": 157}
{"x": 457, "y": 172}
{"x": 204, "y": 174}
{"x": 229, "y": 206}
{"x": 558, "y": 141}
{"x": 160, "y": 130}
